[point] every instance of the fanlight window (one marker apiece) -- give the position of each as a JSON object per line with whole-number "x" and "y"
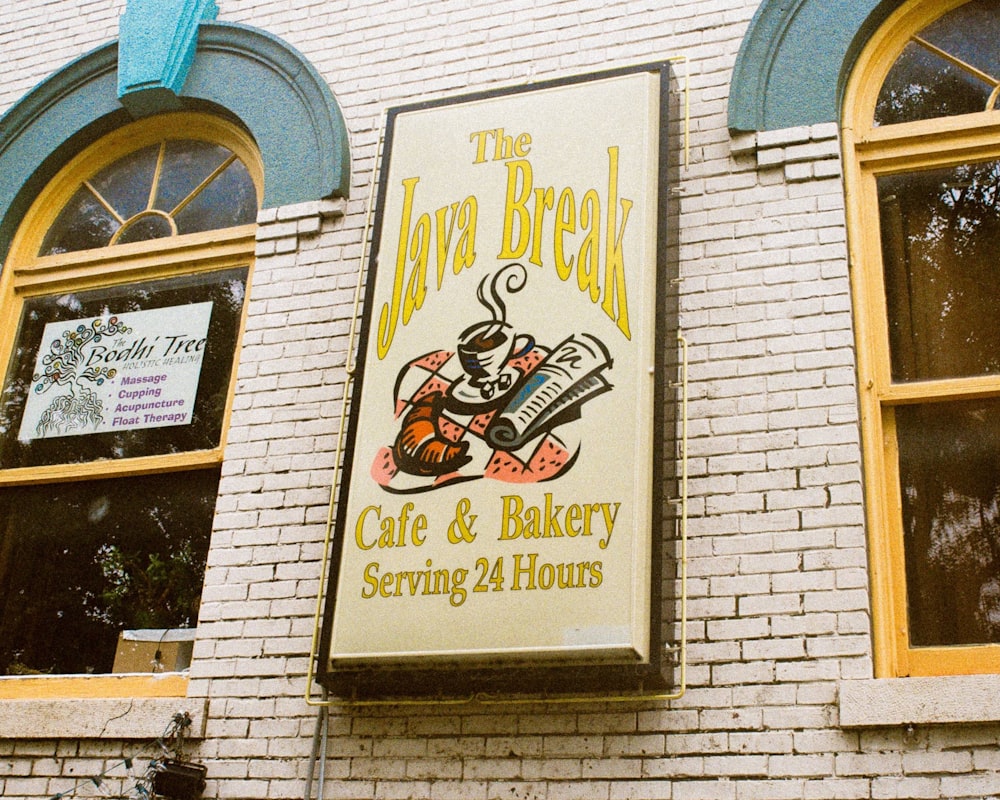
{"x": 950, "y": 67}
{"x": 171, "y": 188}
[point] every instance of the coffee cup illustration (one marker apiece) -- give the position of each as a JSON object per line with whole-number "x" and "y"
{"x": 485, "y": 348}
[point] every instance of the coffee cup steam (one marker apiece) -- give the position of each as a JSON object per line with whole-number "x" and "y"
{"x": 486, "y": 347}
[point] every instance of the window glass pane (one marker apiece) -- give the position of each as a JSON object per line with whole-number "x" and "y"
{"x": 126, "y": 184}
{"x": 229, "y": 200}
{"x": 924, "y": 85}
{"x": 83, "y": 224}
{"x": 970, "y": 33}
{"x": 81, "y": 562}
{"x": 146, "y": 228}
{"x": 185, "y": 165}
{"x": 949, "y": 464}
{"x": 940, "y": 234}
{"x": 133, "y": 370}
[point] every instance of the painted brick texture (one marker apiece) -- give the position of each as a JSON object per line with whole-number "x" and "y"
{"x": 778, "y": 588}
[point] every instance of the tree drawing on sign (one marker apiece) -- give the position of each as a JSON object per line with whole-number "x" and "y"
{"x": 65, "y": 366}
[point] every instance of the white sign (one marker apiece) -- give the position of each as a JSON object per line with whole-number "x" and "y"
{"x": 118, "y": 372}
{"x": 499, "y": 490}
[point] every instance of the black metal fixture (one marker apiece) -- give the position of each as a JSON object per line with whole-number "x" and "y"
{"x": 174, "y": 778}
{"x": 179, "y": 780}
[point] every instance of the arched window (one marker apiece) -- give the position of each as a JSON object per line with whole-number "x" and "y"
{"x": 922, "y": 145}
{"x": 122, "y": 303}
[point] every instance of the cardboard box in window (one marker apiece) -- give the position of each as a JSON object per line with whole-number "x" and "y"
{"x": 154, "y": 650}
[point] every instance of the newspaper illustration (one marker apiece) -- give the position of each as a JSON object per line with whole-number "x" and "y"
{"x": 564, "y": 380}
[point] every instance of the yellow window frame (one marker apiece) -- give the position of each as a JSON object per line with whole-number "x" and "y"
{"x": 868, "y": 153}
{"x": 26, "y": 274}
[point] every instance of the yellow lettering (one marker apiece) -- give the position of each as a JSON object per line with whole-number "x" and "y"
{"x": 543, "y": 200}
{"x": 358, "y": 538}
{"x": 614, "y": 265}
{"x": 587, "y": 510}
{"x": 512, "y": 506}
{"x": 572, "y": 517}
{"x": 518, "y": 174}
{"x": 390, "y": 311}
{"x": 388, "y": 536}
{"x": 565, "y": 223}
{"x": 504, "y": 146}
{"x": 370, "y": 571}
{"x": 610, "y": 515}
{"x": 525, "y": 571}
{"x": 444, "y": 237}
{"x": 419, "y": 524}
{"x": 521, "y": 145}
{"x": 416, "y": 289}
{"x": 588, "y": 266}
{"x": 465, "y": 252}
{"x": 409, "y": 284}
{"x": 479, "y": 137}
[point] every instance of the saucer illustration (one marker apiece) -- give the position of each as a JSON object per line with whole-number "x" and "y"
{"x": 470, "y": 394}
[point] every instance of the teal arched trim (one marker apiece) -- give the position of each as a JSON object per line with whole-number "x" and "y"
{"x": 265, "y": 83}
{"x": 49, "y": 125}
{"x": 795, "y": 58}
{"x": 285, "y": 104}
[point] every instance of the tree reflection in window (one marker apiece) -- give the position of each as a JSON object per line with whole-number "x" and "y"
{"x": 940, "y": 238}
{"x": 175, "y": 187}
{"x": 951, "y": 67}
{"x": 949, "y": 472}
{"x": 80, "y": 562}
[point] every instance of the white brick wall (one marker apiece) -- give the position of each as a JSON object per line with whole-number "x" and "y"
{"x": 778, "y": 572}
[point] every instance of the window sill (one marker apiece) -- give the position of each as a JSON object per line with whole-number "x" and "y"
{"x": 969, "y": 699}
{"x": 96, "y": 707}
